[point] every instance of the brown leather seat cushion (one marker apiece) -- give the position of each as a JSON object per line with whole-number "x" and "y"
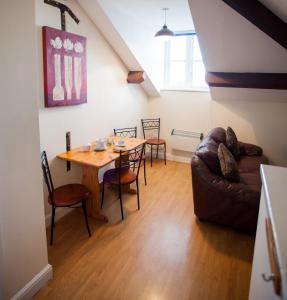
{"x": 155, "y": 141}
{"x": 208, "y": 152}
{"x": 70, "y": 194}
{"x": 112, "y": 176}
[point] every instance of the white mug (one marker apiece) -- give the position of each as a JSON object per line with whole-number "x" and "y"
{"x": 121, "y": 142}
{"x": 100, "y": 144}
{"x": 87, "y": 147}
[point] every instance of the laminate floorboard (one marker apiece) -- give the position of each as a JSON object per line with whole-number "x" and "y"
{"x": 161, "y": 252}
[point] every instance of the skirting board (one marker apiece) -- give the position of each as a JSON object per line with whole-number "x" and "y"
{"x": 34, "y": 285}
{"x": 172, "y": 157}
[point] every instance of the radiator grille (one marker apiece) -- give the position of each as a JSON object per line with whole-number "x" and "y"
{"x": 185, "y": 140}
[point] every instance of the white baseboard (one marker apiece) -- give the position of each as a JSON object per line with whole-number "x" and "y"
{"x": 34, "y": 285}
{"x": 172, "y": 157}
{"x": 60, "y": 213}
{"x": 177, "y": 158}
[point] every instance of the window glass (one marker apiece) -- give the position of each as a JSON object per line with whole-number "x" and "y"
{"x": 196, "y": 49}
{"x": 177, "y": 74}
{"x": 184, "y": 67}
{"x": 198, "y": 75}
{"x": 178, "y": 48}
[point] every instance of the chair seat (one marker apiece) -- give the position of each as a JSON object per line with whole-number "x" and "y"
{"x": 155, "y": 141}
{"x": 70, "y": 194}
{"x": 112, "y": 176}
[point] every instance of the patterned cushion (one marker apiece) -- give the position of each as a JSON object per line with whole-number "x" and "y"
{"x": 228, "y": 164}
{"x": 232, "y": 143}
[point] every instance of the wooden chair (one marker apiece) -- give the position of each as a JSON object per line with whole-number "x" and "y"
{"x": 151, "y": 132}
{"x": 69, "y": 195}
{"x": 132, "y": 133}
{"x": 126, "y": 173}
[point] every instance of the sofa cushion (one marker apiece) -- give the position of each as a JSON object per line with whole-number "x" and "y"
{"x": 232, "y": 143}
{"x": 249, "y": 164}
{"x": 218, "y": 134}
{"x": 228, "y": 164}
{"x": 250, "y": 149}
{"x": 207, "y": 151}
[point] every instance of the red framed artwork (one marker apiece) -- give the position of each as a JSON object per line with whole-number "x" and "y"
{"x": 65, "y": 68}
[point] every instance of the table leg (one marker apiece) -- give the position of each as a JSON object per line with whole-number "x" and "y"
{"x": 90, "y": 179}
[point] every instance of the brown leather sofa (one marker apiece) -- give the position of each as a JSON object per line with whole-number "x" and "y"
{"x": 216, "y": 199}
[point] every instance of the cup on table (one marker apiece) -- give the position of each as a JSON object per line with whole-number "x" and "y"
{"x": 100, "y": 144}
{"x": 87, "y": 147}
{"x": 121, "y": 142}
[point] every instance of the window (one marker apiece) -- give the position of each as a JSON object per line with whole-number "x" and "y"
{"x": 183, "y": 65}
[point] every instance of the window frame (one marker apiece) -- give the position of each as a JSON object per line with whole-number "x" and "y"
{"x": 189, "y": 62}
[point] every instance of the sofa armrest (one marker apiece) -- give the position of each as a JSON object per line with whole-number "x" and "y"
{"x": 250, "y": 149}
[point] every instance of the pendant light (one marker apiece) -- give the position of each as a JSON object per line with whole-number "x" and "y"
{"x": 164, "y": 32}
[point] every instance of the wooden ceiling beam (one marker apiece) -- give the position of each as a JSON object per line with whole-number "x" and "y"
{"x": 136, "y": 77}
{"x": 259, "y": 15}
{"x": 276, "y": 81}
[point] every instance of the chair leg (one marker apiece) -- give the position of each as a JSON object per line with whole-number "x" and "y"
{"x": 151, "y": 155}
{"x": 165, "y": 154}
{"x": 86, "y": 217}
{"x": 121, "y": 201}
{"x": 52, "y": 224}
{"x": 144, "y": 173}
{"x": 103, "y": 194}
{"x": 157, "y": 152}
{"x": 138, "y": 193}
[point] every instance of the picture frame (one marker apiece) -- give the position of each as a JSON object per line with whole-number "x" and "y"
{"x": 65, "y": 68}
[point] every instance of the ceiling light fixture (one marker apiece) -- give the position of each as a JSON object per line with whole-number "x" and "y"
{"x": 164, "y": 32}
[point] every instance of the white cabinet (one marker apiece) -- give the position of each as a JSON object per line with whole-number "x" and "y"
{"x": 268, "y": 279}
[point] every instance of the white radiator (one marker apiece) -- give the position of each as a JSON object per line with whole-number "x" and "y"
{"x": 185, "y": 140}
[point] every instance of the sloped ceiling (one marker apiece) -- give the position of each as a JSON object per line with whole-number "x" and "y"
{"x": 98, "y": 15}
{"x": 278, "y": 7}
{"x": 230, "y": 43}
{"x": 135, "y": 22}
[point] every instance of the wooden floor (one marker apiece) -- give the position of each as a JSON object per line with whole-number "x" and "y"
{"x": 158, "y": 253}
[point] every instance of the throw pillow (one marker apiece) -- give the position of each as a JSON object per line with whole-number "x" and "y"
{"x": 228, "y": 164}
{"x": 232, "y": 143}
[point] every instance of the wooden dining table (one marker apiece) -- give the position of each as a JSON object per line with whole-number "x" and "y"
{"x": 91, "y": 161}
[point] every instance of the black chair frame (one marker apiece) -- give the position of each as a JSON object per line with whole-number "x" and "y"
{"x": 153, "y": 125}
{"x": 49, "y": 182}
{"x": 131, "y": 132}
{"x": 129, "y": 159}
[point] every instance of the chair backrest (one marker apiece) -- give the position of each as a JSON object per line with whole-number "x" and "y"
{"x": 152, "y": 126}
{"x": 126, "y": 132}
{"x": 47, "y": 175}
{"x": 131, "y": 159}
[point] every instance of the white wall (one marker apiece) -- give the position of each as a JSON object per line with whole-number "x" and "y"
{"x": 229, "y": 43}
{"x": 22, "y": 229}
{"x": 112, "y": 103}
{"x": 181, "y": 110}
